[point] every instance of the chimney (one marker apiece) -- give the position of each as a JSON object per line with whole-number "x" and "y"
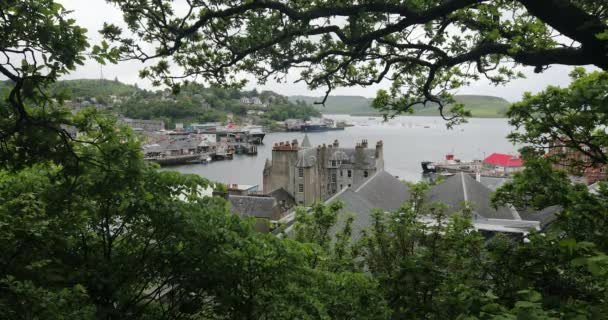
{"x": 294, "y": 143}
{"x": 364, "y": 143}
{"x": 336, "y": 143}
{"x": 379, "y": 150}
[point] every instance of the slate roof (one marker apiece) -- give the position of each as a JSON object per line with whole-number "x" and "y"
{"x": 282, "y": 196}
{"x": 545, "y": 216}
{"x": 462, "y": 187}
{"x": 381, "y": 191}
{"x": 306, "y": 158}
{"x": 358, "y": 207}
{"x": 248, "y": 206}
{"x": 306, "y": 142}
{"x": 493, "y": 183}
{"x": 384, "y": 191}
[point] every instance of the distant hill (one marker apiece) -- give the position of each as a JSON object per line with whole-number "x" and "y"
{"x": 82, "y": 88}
{"x": 95, "y": 87}
{"x": 480, "y": 106}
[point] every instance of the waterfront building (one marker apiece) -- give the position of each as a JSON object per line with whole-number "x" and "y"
{"x": 144, "y": 125}
{"x": 312, "y": 174}
{"x": 503, "y": 163}
{"x": 585, "y": 170}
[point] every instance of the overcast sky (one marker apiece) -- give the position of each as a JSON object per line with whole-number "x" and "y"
{"x": 91, "y": 14}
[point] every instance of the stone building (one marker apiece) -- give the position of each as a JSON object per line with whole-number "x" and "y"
{"x": 312, "y": 174}
{"x": 578, "y": 164}
{"x": 144, "y": 125}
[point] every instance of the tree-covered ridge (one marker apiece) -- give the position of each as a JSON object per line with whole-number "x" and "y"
{"x": 81, "y": 88}
{"x": 193, "y": 103}
{"x": 196, "y": 103}
{"x": 479, "y": 106}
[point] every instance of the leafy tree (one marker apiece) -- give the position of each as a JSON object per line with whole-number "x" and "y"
{"x": 426, "y": 48}
{"x": 569, "y": 118}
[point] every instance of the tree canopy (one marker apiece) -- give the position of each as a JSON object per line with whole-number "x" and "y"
{"x": 88, "y": 230}
{"x": 425, "y": 48}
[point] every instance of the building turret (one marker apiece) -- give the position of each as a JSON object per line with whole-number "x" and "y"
{"x": 379, "y": 155}
{"x": 306, "y": 142}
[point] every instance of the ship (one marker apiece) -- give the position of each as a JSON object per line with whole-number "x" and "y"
{"x": 451, "y": 165}
{"x": 319, "y": 128}
{"x": 495, "y": 165}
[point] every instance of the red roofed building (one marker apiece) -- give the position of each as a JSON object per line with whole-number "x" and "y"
{"x": 506, "y": 163}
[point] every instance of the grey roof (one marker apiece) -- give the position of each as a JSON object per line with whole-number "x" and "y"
{"x": 384, "y": 191}
{"x": 282, "y": 196}
{"x": 494, "y": 183}
{"x": 462, "y": 187}
{"x": 306, "y": 142}
{"x": 248, "y": 206}
{"x": 381, "y": 191}
{"x": 306, "y": 158}
{"x": 545, "y": 216}
{"x": 359, "y": 207}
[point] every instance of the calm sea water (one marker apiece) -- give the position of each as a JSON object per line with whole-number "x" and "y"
{"x": 407, "y": 142}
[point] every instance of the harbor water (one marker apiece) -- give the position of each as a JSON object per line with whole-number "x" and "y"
{"x": 407, "y": 141}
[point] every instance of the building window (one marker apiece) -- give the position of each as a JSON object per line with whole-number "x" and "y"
{"x": 341, "y": 173}
{"x": 300, "y": 188}
{"x": 365, "y": 174}
{"x": 349, "y": 185}
{"x": 349, "y": 173}
{"x": 333, "y": 178}
{"x": 603, "y": 169}
{"x": 301, "y": 172}
{"x": 341, "y": 186}
{"x": 334, "y": 163}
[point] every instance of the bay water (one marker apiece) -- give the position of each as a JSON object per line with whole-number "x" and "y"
{"x": 407, "y": 141}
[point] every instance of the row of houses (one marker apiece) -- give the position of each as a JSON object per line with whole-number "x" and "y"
{"x": 386, "y": 193}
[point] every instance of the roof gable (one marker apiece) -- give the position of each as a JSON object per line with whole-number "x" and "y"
{"x": 463, "y": 188}
{"x": 248, "y": 206}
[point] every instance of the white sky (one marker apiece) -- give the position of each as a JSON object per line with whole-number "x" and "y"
{"x": 91, "y": 14}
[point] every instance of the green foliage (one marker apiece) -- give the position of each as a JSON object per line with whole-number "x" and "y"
{"x": 571, "y": 117}
{"x": 426, "y": 49}
{"x": 88, "y": 230}
{"x": 92, "y": 88}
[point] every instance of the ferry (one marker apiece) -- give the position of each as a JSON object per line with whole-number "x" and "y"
{"x": 495, "y": 165}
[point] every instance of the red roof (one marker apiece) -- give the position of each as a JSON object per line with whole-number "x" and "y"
{"x": 504, "y": 160}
